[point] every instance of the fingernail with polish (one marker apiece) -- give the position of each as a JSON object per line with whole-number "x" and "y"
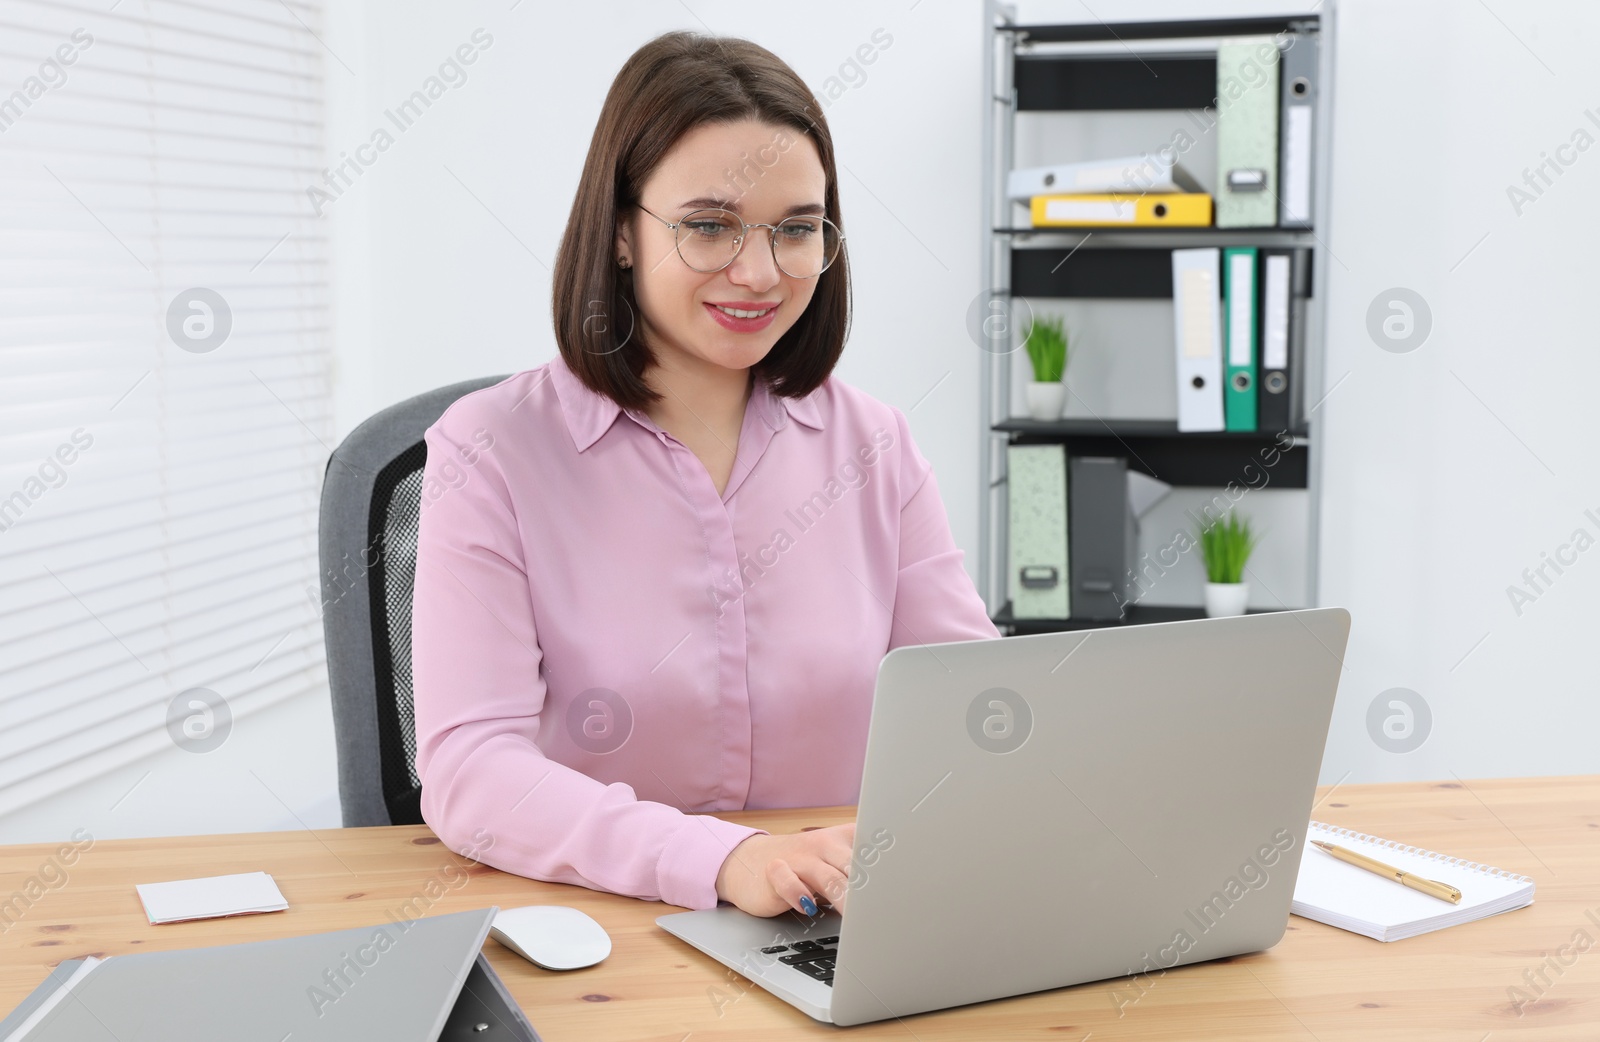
{"x": 807, "y": 905}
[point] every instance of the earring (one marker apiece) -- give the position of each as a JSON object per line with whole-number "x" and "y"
{"x": 624, "y": 262}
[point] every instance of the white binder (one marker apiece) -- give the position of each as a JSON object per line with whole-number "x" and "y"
{"x": 1197, "y": 317}
{"x": 1131, "y": 174}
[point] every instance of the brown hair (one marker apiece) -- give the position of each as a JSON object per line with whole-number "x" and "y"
{"x": 671, "y": 85}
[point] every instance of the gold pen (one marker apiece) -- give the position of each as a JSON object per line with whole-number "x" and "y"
{"x": 1431, "y": 887}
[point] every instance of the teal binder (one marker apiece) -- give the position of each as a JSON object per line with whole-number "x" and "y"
{"x": 1247, "y": 132}
{"x": 1243, "y": 357}
{"x": 1036, "y": 486}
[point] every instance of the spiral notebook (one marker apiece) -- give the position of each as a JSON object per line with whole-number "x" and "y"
{"x": 1340, "y": 894}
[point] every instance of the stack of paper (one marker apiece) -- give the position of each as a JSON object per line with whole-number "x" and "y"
{"x": 209, "y": 898}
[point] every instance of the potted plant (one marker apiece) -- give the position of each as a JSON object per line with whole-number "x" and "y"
{"x": 1226, "y": 546}
{"x": 1047, "y": 349}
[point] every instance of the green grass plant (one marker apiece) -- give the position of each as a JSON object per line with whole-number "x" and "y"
{"x": 1047, "y": 349}
{"x": 1226, "y": 546}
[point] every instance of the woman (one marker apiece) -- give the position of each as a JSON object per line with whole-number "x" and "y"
{"x": 657, "y": 574}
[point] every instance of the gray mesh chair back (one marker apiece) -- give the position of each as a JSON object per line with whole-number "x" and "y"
{"x": 367, "y": 546}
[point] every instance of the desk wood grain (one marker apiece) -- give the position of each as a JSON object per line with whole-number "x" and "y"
{"x": 1319, "y": 983}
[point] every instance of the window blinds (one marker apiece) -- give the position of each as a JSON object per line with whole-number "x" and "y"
{"x": 164, "y": 377}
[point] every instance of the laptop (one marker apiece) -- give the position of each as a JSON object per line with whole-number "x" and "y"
{"x": 422, "y": 980}
{"x": 1048, "y": 810}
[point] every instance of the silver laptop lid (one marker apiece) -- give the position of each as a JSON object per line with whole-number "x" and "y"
{"x": 1046, "y": 810}
{"x": 397, "y": 981}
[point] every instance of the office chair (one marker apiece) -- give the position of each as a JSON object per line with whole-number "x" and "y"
{"x": 367, "y": 549}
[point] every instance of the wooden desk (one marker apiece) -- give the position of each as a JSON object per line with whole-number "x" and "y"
{"x": 1319, "y": 983}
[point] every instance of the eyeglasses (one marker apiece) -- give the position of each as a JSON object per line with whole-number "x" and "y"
{"x": 709, "y": 240}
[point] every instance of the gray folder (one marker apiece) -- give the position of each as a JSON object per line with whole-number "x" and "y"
{"x": 419, "y": 980}
{"x": 1297, "y": 131}
{"x": 1104, "y": 536}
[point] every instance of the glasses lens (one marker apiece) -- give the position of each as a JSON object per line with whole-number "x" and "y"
{"x": 805, "y": 246}
{"x": 708, "y": 239}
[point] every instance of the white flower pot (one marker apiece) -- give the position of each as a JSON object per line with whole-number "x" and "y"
{"x": 1046, "y": 400}
{"x": 1226, "y": 598}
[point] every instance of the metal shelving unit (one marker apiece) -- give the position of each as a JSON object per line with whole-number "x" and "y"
{"x": 1125, "y": 67}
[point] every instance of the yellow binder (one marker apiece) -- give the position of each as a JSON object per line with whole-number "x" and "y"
{"x": 1178, "y": 209}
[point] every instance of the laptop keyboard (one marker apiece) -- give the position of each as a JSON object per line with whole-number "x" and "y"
{"x": 815, "y": 958}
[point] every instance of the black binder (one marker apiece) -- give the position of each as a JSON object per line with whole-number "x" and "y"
{"x": 1283, "y": 279}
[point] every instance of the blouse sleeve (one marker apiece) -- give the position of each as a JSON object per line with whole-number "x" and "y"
{"x": 934, "y": 600}
{"x": 487, "y": 789}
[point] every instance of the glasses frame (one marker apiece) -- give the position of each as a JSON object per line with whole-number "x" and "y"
{"x": 772, "y": 241}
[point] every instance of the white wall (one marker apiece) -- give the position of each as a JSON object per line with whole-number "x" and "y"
{"x": 1454, "y": 466}
{"x": 1434, "y": 497}
{"x": 1447, "y": 470}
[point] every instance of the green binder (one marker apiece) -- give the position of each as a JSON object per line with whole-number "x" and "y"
{"x": 1243, "y": 356}
{"x": 1247, "y": 132}
{"x": 1036, "y": 485}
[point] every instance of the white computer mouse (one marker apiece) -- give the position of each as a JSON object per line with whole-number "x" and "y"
{"x": 553, "y": 937}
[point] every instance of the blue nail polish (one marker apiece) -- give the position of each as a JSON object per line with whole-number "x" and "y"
{"x": 807, "y": 905}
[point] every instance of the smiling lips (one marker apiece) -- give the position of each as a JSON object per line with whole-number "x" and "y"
{"x": 753, "y": 309}
{"x": 743, "y": 316}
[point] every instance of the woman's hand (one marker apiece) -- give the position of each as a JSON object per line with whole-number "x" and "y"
{"x": 766, "y": 875}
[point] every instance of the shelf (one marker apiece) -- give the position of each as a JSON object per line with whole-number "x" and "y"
{"x": 1136, "y": 615}
{"x": 1142, "y": 429}
{"x": 1115, "y": 82}
{"x": 1106, "y": 273}
{"x": 1198, "y": 459}
{"x": 1099, "y": 75}
{"x": 1153, "y": 238}
{"x": 1124, "y": 80}
{"x": 1112, "y": 32}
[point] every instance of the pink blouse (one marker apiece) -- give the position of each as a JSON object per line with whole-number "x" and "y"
{"x": 602, "y": 643}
